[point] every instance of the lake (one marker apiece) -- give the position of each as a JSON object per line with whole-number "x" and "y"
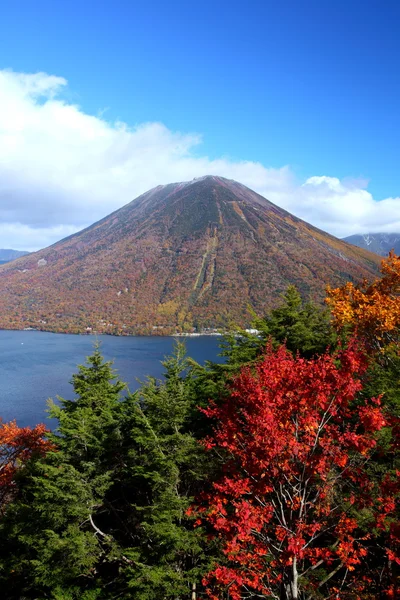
{"x": 36, "y": 365}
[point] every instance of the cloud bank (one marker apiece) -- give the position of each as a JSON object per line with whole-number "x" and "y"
{"x": 62, "y": 169}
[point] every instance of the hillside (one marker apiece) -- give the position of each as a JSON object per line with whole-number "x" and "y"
{"x": 380, "y": 243}
{"x": 183, "y": 255}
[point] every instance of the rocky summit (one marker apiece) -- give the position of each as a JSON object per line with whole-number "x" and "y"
{"x": 181, "y": 257}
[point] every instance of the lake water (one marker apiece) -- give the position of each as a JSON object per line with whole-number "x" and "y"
{"x": 35, "y": 366}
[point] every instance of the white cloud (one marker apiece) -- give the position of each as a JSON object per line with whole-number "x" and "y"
{"x": 62, "y": 169}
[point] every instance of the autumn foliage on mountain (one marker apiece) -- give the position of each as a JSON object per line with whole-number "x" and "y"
{"x": 181, "y": 256}
{"x": 275, "y": 475}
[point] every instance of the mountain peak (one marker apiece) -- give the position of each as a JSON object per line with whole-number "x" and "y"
{"x": 381, "y": 243}
{"x": 185, "y": 255}
{"x": 206, "y": 180}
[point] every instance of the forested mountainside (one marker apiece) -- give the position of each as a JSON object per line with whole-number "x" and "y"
{"x": 381, "y": 243}
{"x": 184, "y": 255}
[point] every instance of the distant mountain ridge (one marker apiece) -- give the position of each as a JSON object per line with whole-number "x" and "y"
{"x": 6, "y": 255}
{"x": 380, "y": 243}
{"x": 186, "y": 255}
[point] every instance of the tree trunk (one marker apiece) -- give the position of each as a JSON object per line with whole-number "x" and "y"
{"x": 289, "y": 586}
{"x": 194, "y": 594}
{"x": 294, "y": 582}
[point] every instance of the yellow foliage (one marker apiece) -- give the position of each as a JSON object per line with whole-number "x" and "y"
{"x": 168, "y": 309}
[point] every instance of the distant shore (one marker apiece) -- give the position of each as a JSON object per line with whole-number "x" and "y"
{"x": 193, "y": 334}
{"x": 198, "y": 334}
{"x": 158, "y": 334}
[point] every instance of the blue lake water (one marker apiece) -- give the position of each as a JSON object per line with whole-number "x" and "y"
{"x": 35, "y": 366}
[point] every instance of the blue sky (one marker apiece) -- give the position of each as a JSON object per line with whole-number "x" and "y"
{"x": 311, "y": 85}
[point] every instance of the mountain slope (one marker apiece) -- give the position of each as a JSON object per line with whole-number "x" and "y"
{"x": 181, "y": 255}
{"x": 380, "y": 243}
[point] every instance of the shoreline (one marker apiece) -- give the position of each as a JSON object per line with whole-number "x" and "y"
{"x": 96, "y": 333}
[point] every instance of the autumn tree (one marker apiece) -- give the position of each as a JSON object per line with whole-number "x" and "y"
{"x": 17, "y": 445}
{"x": 296, "y": 487}
{"x": 372, "y": 310}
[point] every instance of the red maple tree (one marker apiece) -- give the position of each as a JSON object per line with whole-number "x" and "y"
{"x": 288, "y": 507}
{"x": 17, "y": 444}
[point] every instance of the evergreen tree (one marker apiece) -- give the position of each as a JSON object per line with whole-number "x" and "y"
{"x": 89, "y": 426}
{"x": 166, "y": 468}
{"x": 50, "y": 538}
{"x": 304, "y": 327}
{"x": 104, "y": 515}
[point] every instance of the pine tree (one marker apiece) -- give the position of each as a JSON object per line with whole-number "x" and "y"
{"x": 166, "y": 468}
{"x": 50, "y": 537}
{"x": 304, "y": 327}
{"x": 104, "y": 515}
{"x": 89, "y": 426}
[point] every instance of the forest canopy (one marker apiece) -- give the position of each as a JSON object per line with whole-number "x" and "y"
{"x": 273, "y": 475}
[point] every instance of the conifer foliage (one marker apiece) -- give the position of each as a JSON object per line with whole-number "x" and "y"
{"x": 166, "y": 469}
{"x": 103, "y": 514}
{"x": 51, "y": 540}
{"x": 304, "y": 327}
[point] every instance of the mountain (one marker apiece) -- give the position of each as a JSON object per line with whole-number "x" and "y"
{"x": 183, "y": 255}
{"x": 380, "y": 243}
{"x": 7, "y": 255}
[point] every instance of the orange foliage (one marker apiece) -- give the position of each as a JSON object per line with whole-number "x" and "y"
{"x": 17, "y": 445}
{"x": 372, "y": 309}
